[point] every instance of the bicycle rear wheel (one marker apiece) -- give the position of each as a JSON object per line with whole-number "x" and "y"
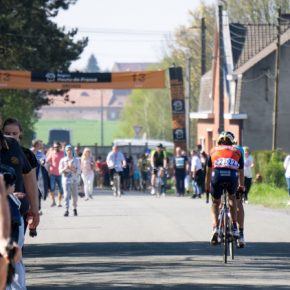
{"x": 226, "y": 237}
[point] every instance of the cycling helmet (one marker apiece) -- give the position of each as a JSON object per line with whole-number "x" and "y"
{"x": 226, "y": 138}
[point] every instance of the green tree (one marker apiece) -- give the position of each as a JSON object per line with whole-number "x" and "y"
{"x": 148, "y": 108}
{"x": 30, "y": 40}
{"x": 258, "y": 11}
{"x": 92, "y": 65}
{"x": 151, "y": 110}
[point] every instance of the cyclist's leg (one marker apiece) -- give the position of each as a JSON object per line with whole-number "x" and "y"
{"x": 232, "y": 189}
{"x": 240, "y": 211}
{"x": 153, "y": 180}
{"x": 240, "y": 219}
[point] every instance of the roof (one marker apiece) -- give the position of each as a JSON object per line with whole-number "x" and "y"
{"x": 205, "y": 99}
{"x": 250, "y": 42}
{"x": 132, "y": 66}
{"x": 82, "y": 98}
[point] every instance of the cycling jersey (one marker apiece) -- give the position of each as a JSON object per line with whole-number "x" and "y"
{"x": 226, "y": 157}
{"x": 225, "y": 161}
{"x": 158, "y": 158}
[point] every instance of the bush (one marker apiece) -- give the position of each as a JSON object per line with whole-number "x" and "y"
{"x": 270, "y": 165}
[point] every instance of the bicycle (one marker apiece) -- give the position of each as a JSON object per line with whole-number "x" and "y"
{"x": 225, "y": 235}
{"x": 160, "y": 182}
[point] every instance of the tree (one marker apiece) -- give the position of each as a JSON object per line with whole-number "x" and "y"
{"x": 259, "y": 11}
{"x": 92, "y": 65}
{"x": 30, "y": 40}
{"x": 152, "y": 110}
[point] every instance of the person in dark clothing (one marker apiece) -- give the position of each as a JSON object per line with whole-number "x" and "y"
{"x": 180, "y": 166}
{"x": 26, "y": 184}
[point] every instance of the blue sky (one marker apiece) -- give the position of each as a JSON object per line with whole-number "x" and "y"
{"x": 126, "y": 30}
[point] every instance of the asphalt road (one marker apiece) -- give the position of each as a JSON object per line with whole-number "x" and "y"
{"x": 142, "y": 242}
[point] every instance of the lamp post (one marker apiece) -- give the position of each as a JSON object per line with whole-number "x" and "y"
{"x": 102, "y": 118}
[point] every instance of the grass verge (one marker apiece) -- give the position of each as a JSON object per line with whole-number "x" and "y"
{"x": 268, "y": 195}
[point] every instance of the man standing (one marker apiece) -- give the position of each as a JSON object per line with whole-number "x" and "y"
{"x": 53, "y": 159}
{"x": 196, "y": 173}
{"x": 158, "y": 159}
{"x": 180, "y": 166}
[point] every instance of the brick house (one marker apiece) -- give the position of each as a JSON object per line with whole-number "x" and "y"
{"x": 249, "y": 82}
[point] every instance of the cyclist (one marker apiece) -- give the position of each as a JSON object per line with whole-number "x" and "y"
{"x": 158, "y": 159}
{"x": 225, "y": 165}
{"x": 116, "y": 162}
{"x": 240, "y": 208}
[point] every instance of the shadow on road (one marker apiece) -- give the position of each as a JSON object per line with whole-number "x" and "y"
{"x": 117, "y": 260}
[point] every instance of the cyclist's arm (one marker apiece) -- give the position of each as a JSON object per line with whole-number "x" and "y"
{"x": 241, "y": 178}
{"x": 152, "y": 159}
{"x": 208, "y": 178}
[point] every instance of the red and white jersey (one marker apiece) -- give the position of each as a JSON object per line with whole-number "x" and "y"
{"x": 227, "y": 157}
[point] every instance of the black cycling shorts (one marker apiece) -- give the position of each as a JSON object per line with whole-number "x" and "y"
{"x": 220, "y": 177}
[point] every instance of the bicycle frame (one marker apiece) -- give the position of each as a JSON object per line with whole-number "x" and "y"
{"x": 225, "y": 227}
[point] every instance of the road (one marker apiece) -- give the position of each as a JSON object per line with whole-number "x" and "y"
{"x": 142, "y": 242}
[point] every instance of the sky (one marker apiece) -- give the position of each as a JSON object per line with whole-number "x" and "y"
{"x": 125, "y": 30}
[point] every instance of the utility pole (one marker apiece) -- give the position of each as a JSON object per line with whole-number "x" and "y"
{"x": 203, "y": 46}
{"x": 102, "y": 118}
{"x": 221, "y": 72}
{"x": 276, "y": 91}
{"x": 187, "y": 99}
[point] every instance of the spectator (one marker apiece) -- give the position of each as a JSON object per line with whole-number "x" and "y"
{"x": 287, "y": 174}
{"x": 144, "y": 166}
{"x": 196, "y": 174}
{"x": 88, "y": 174}
{"x": 25, "y": 185}
{"x": 204, "y": 159}
{"x": 137, "y": 178}
{"x": 13, "y": 129}
{"x": 180, "y": 166}
{"x": 53, "y": 159}
{"x": 37, "y": 149}
{"x": 17, "y": 230}
{"x": 248, "y": 166}
{"x": 69, "y": 168}
{"x": 4, "y": 233}
{"x": 98, "y": 173}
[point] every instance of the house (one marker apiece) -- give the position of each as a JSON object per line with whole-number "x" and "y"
{"x": 91, "y": 104}
{"x": 246, "y": 107}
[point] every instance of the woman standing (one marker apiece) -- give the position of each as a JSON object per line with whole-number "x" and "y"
{"x": 248, "y": 165}
{"x": 88, "y": 174}
{"x": 69, "y": 168}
